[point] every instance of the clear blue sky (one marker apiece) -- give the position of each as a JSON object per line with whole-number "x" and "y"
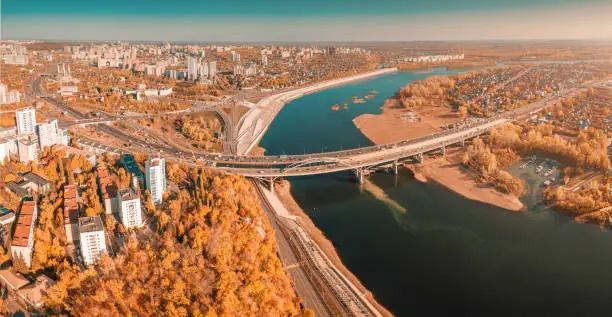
{"x": 266, "y": 20}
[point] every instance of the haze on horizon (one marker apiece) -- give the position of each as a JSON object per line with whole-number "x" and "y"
{"x": 318, "y": 20}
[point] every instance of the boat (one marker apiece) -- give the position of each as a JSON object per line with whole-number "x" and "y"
{"x": 359, "y": 100}
{"x": 368, "y": 97}
{"x": 373, "y": 92}
{"x": 335, "y": 107}
{"x": 345, "y": 107}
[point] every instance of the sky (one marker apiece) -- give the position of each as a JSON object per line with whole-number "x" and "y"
{"x": 310, "y": 20}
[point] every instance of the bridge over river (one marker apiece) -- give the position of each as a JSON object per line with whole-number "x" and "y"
{"x": 271, "y": 167}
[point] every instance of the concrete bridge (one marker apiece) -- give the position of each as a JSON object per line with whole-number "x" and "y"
{"x": 359, "y": 160}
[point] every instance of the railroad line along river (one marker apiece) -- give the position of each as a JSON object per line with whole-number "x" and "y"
{"x": 426, "y": 251}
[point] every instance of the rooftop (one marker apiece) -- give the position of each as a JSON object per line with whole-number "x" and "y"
{"x": 16, "y": 189}
{"x": 28, "y": 142}
{"x": 131, "y": 166}
{"x": 24, "y": 223}
{"x": 108, "y": 188}
{"x": 71, "y": 207}
{"x": 90, "y": 224}
{"x": 73, "y": 151}
{"x": 35, "y": 178}
{"x": 33, "y": 293}
{"x": 128, "y": 194}
{"x": 154, "y": 161}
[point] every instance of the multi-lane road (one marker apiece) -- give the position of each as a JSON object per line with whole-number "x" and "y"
{"x": 321, "y": 163}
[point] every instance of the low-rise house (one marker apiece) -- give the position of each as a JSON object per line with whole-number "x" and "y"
{"x": 14, "y": 188}
{"x": 36, "y": 183}
{"x": 130, "y": 165}
{"x": 71, "y": 151}
{"x": 29, "y": 294}
{"x": 6, "y": 216}
{"x": 34, "y": 292}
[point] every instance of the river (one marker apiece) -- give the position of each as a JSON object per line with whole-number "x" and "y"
{"x": 426, "y": 251}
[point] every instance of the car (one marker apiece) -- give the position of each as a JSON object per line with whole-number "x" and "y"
{"x": 261, "y": 172}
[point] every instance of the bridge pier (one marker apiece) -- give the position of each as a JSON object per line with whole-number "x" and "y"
{"x": 420, "y": 157}
{"x": 463, "y": 143}
{"x": 272, "y": 184}
{"x": 395, "y": 167}
{"x": 359, "y": 175}
{"x": 443, "y": 150}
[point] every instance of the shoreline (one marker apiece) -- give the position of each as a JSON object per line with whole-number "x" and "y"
{"x": 388, "y": 127}
{"x": 461, "y": 181}
{"x": 254, "y": 124}
{"x": 283, "y": 192}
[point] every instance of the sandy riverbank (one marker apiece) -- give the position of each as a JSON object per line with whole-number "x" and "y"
{"x": 283, "y": 192}
{"x": 448, "y": 172}
{"x": 389, "y": 126}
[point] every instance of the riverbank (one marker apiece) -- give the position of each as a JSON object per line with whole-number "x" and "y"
{"x": 396, "y": 123}
{"x": 283, "y": 192}
{"x": 255, "y": 122}
{"x": 450, "y": 173}
{"x": 392, "y": 126}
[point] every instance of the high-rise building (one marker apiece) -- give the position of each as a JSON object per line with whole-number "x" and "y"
{"x": 264, "y": 59}
{"x": 4, "y": 153}
{"x": 8, "y": 146}
{"x": 234, "y": 57}
{"x": 192, "y": 68}
{"x": 47, "y": 133}
{"x": 238, "y": 69}
{"x": 129, "y": 208}
{"x": 93, "y": 241}
{"x": 3, "y": 93}
{"x": 251, "y": 70}
{"x": 28, "y": 150}
{"x": 212, "y": 69}
{"x": 203, "y": 71}
{"x": 62, "y": 137}
{"x": 156, "y": 178}
{"x": 26, "y": 120}
{"x": 23, "y": 238}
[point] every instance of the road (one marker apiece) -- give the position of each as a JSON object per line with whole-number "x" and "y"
{"x": 321, "y": 163}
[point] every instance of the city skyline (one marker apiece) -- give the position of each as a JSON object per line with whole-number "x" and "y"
{"x": 316, "y": 21}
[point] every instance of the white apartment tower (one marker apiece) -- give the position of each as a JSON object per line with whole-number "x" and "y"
{"x": 203, "y": 71}
{"x": 234, "y": 57}
{"x": 47, "y": 133}
{"x": 28, "y": 150}
{"x": 212, "y": 69}
{"x": 26, "y": 120}
{"x": 192, "y": 68}
{"x": 129, "y": 208}
{"x": 93, "y": 241}
{"x": 155, "y": 169}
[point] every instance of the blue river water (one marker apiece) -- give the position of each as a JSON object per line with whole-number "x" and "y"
{"x": 438, "y": 253}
